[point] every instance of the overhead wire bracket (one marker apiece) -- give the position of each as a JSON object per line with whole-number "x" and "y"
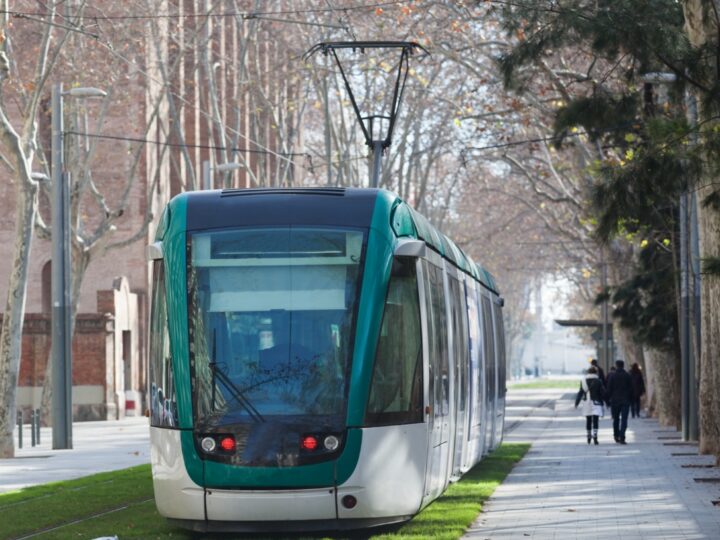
{"x": 407, "y": 48}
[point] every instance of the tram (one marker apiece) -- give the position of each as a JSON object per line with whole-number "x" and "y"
{"x": 320, "y": 359}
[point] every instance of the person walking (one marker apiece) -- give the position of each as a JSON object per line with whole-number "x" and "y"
{"x": 591, "y": 394}
{"x": 619, "y": 397}
{"x": 600, "y": 372}
{"x": 638, "y": 389}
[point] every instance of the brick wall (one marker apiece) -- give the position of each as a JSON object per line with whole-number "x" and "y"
{"x": 99, "y": 390}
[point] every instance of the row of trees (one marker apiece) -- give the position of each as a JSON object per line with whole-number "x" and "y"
{"x": 647, "y": 150}
{"x": 527, "y": 135}
{"x": 224, "y": 81}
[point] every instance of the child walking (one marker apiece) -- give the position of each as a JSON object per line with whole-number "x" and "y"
{"x": 592, "y": 394}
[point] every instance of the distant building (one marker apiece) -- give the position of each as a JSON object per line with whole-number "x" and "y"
{"x": 556, "y": 352}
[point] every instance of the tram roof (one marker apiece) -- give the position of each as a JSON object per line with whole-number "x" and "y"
{"x": 351, "y": 207}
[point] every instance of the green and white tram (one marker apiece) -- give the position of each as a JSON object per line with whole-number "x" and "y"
{"x": 319, "y": 359}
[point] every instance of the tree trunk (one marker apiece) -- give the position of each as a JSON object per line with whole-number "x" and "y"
{"x": 650, "y": 394}
{"x": 709, "y": 398}
{"x": 666, "y": 382}
{"x": 12, "y": 324}
{"x": 702, "y": 27}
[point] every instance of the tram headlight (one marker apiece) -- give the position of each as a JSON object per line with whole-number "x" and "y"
{"x": 208, "y": 444}
{"x": 331, "y": 443}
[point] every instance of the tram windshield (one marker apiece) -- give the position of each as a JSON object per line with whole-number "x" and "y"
{"x": 271, "y": 328}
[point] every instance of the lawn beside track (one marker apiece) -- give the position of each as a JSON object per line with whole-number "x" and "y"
{"x": 539, "y": 384}
{"x": 120, "y": 503}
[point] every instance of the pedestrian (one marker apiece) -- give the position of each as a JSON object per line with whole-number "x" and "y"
{"x": 619, "y": 396}
{"x": 600, "y": 372}
{"x": 591, "y": 394}
{"x": 638, "y": 389}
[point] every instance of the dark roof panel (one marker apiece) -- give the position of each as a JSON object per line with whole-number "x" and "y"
{"x": 266, "y": 207}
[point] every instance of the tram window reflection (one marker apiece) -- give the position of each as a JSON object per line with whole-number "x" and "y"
{"x": 272, "y": 317}
{"x": 163, "y": 404}
{"x": 396, "y": 389}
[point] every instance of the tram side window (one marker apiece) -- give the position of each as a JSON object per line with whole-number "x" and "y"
{"x": 460, "y": 340}
{"x": 163, "y": 403}
{"x": 439, "y": 354}
{"x": 489, "y": 343}
{"x": 396, "y": 388}
{"x": 475, "y": 341}
{"x": 500, "y": 343}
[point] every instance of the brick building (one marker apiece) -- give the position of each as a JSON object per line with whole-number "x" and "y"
{"x": 210, "y": 114}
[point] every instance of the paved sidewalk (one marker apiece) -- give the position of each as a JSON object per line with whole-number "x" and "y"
{"x": 97, "y": 447}
{"x": 566, "y": 489}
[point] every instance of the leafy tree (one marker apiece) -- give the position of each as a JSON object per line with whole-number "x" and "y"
{"x": 651, "y": 152}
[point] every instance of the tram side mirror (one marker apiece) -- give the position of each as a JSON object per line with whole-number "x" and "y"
{"x": 154, "y": 251}
{"x": 411, "y": 248}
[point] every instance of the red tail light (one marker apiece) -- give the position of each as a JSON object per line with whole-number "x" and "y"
{"x": 227, "y": 444}
{"x": 309, "y": 443}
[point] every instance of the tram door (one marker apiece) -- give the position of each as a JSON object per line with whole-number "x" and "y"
{"x": 476, "y": 384}
{"x": 501, "y": 373}
{"x": 460, "y": 360}
{"x": 490, "y": 373}
{"x": 438, "y": 416}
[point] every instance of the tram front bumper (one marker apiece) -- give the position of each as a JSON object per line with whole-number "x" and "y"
{"x": 270, "y": 505}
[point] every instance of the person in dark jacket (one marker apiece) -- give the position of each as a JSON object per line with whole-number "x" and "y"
{"x": 619, "y": 397}
{"x": 638, "y": 389}
{"x": 600, "y": 371}
{"x": 591, "y": 395}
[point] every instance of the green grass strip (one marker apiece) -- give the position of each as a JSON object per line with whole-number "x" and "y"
{"x": 49, "y": 505}
{"x": 446, "y": 518}
{"x": 449, "y": 516}
{"x": 546, "y": 383}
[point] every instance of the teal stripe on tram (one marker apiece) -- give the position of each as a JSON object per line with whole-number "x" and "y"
{"x": 378, "y": 263}
{"x": 176, "y": 294}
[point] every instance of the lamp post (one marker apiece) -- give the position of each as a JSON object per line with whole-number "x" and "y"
{"x": 689, "y": 265}
{"x": 208, "y": 169}
{"x": 61, "y": 319}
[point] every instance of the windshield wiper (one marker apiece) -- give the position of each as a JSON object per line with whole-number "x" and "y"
{"x": 235, "y": 392}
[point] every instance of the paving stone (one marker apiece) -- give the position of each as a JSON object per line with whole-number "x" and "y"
{"x": 565, "y": 488}
{"x": 97, "y": 447}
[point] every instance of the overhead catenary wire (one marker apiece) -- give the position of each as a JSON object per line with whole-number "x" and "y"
{"x": 180, "y": 145}
{"x": 117, "y": 54}
{"x": 244, "y": 14}
{"x": 265, "y": 150}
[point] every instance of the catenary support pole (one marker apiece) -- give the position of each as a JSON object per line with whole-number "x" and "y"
{"x": 605, "y": 360}
{"x": 207, "y": 179}
{"x": 694, "y": 282}
{"x": 377, "y": 150}
{"x": 61, "y": 351}
{"x": 684, "y": 318}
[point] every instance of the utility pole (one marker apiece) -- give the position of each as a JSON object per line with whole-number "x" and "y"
{"x": 693, "y": 283}
{"x": 61, "y": 284}
{"x": 61, "y": 280}
{"x": 328, "y": 141}
{"x": 605, "y": 316}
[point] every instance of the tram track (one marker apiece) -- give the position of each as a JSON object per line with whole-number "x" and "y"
{"x": 84, "y": 519}
{"x": 548, "y": 403}
{"x": 516, "y": 423}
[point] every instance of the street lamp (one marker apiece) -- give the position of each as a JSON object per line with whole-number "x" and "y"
{"x": 61, "y": 318}
{"x": 208, "y": 182}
